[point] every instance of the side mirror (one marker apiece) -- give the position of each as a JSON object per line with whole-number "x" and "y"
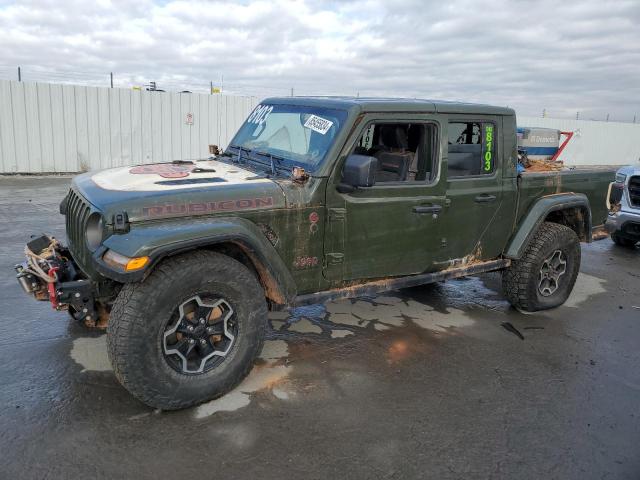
{"x": 358, "y": 171}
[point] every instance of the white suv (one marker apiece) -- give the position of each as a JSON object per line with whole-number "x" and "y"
{"x": 623, "y": 222}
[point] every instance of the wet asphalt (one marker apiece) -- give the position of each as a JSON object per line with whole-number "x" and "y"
{"x": 420, "y": 383}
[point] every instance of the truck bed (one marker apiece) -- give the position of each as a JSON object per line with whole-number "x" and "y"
{"x": 591, "y": 181}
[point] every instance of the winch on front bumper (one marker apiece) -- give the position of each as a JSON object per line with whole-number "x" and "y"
{"x": 50, "y": 273}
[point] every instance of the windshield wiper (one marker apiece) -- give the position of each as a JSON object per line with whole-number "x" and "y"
{"x": 274, "y": 160}
{"x": 272, "y": 157}
{"x": 240, "y": 150}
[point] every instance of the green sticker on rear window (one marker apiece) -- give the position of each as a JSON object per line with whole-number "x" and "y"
{"x": 488, "y": 155}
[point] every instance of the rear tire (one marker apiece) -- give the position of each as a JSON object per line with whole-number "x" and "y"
{"x": 145, "y": 344}
{"x": 545, "y": 275}
{"x": 622, "y": 241}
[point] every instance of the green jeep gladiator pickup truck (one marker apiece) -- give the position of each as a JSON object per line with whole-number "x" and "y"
{"x": 314, "y": 198}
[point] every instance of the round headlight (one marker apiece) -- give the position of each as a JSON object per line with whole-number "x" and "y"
{"x": 94, "y": 231}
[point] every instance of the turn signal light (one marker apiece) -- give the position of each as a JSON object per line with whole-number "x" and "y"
{"x": 123, "y": 262}
{"x": 136, "y": 263}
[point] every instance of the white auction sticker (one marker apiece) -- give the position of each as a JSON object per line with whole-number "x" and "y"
{"x": 318, "y": 124}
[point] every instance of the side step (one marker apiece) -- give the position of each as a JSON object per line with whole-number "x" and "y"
{"x": 394, "y": 283}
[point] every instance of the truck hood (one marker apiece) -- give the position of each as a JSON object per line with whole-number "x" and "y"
{"x": 164, "y": 190}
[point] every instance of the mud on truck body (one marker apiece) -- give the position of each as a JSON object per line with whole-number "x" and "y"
{"x": 314, "y": 198}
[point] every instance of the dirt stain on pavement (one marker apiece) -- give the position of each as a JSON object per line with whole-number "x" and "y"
{"x": 441, "y": 322}
{"x": 403, "y": 347}
{"x": 397, "y": 319}
{"x": 91, "y": 354}
{"x": 394, "y": 313}
{"x": 585, "y": 287}
{"x": 340, "y": 333}
{"x": 267, "y": 376}
{"x": 305, "y": 326}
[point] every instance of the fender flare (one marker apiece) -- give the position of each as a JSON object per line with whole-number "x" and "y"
{"x": 159, "y": 240}
{"x": 538, "y": 213}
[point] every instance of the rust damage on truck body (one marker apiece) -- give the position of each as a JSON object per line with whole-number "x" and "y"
{"x": 574, "y": 218}
{"x": 268, "y": 282}
{"x": 367, "y": 288}
{"x": 474, "y": 258}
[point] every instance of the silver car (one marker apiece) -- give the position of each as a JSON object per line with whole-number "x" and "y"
{"x": 623, "y": 222}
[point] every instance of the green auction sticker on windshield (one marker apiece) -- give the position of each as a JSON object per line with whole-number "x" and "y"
{"x": 318, "y": 124}
{"x": 488, "y": 154}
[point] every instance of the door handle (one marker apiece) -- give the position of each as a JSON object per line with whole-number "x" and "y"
{"x": 427, "y": 209}
{"x": 484, "y": 198}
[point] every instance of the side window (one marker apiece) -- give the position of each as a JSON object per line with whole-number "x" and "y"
{"x": 471, "y": 149}
{"x": 406, "y": 152}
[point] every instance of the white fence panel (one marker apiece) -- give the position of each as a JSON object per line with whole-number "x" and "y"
{"x": 594, "y": 143}
{"x": 46, "y": 128}
{"x": 61, "y": 128}
{"x": 20, "y": 128}
{"x": 7, "y": 128}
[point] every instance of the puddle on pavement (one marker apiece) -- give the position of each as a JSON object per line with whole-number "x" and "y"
{"x": 267, "y": 376}
{"x": 274, "y": 349}
{"x": 91, "y": 354}
{"x": 340, "y": 318}
{"x": 442, "y": 322}
{"x": 305, "y": 325}
{"x": 309, "y": 330}
{"x": 340, "y": 333}
{"x": 277, "y": 324}
{"x": 585, "y": 287}
{"x": 483, "y": 292}
{"x": 395, "y": 312}
{"x": 404, "y": 347}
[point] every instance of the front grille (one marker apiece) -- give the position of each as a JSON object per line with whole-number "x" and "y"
{"x": 634, "y": 191}
{"x": 77, "y": 214}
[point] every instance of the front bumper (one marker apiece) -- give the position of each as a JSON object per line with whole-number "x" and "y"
{"x": 66, "y": 288}
{"x": 624, "y": 223}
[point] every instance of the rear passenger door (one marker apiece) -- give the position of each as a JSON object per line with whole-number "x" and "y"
{"x": 474, "y": 188}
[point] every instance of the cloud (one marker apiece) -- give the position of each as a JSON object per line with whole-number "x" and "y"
{"x": 563, "y": 56}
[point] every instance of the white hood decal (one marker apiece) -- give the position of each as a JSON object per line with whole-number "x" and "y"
{"x": 136, "y": 179}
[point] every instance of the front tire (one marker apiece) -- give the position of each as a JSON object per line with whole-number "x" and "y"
{"x": 189, "y": 333}
{"x": 545, "y": 275}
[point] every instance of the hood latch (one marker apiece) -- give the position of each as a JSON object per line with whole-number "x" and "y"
{"x": 121, "y": 222}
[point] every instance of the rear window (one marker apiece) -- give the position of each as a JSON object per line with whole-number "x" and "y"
{"x": 471, "y": 149}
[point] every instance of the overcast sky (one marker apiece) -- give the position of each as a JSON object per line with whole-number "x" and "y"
{"x": 564, "y": 56}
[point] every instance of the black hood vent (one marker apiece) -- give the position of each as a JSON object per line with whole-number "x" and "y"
{"x": 191, "y": 181}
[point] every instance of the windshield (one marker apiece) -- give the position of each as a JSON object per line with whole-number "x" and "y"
{"x": 294, "y": 135}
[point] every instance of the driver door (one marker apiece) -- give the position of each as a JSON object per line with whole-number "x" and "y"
{"x": 393, "y": 227}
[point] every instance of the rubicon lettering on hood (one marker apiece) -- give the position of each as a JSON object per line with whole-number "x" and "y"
{"x": 206, "y": 207}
